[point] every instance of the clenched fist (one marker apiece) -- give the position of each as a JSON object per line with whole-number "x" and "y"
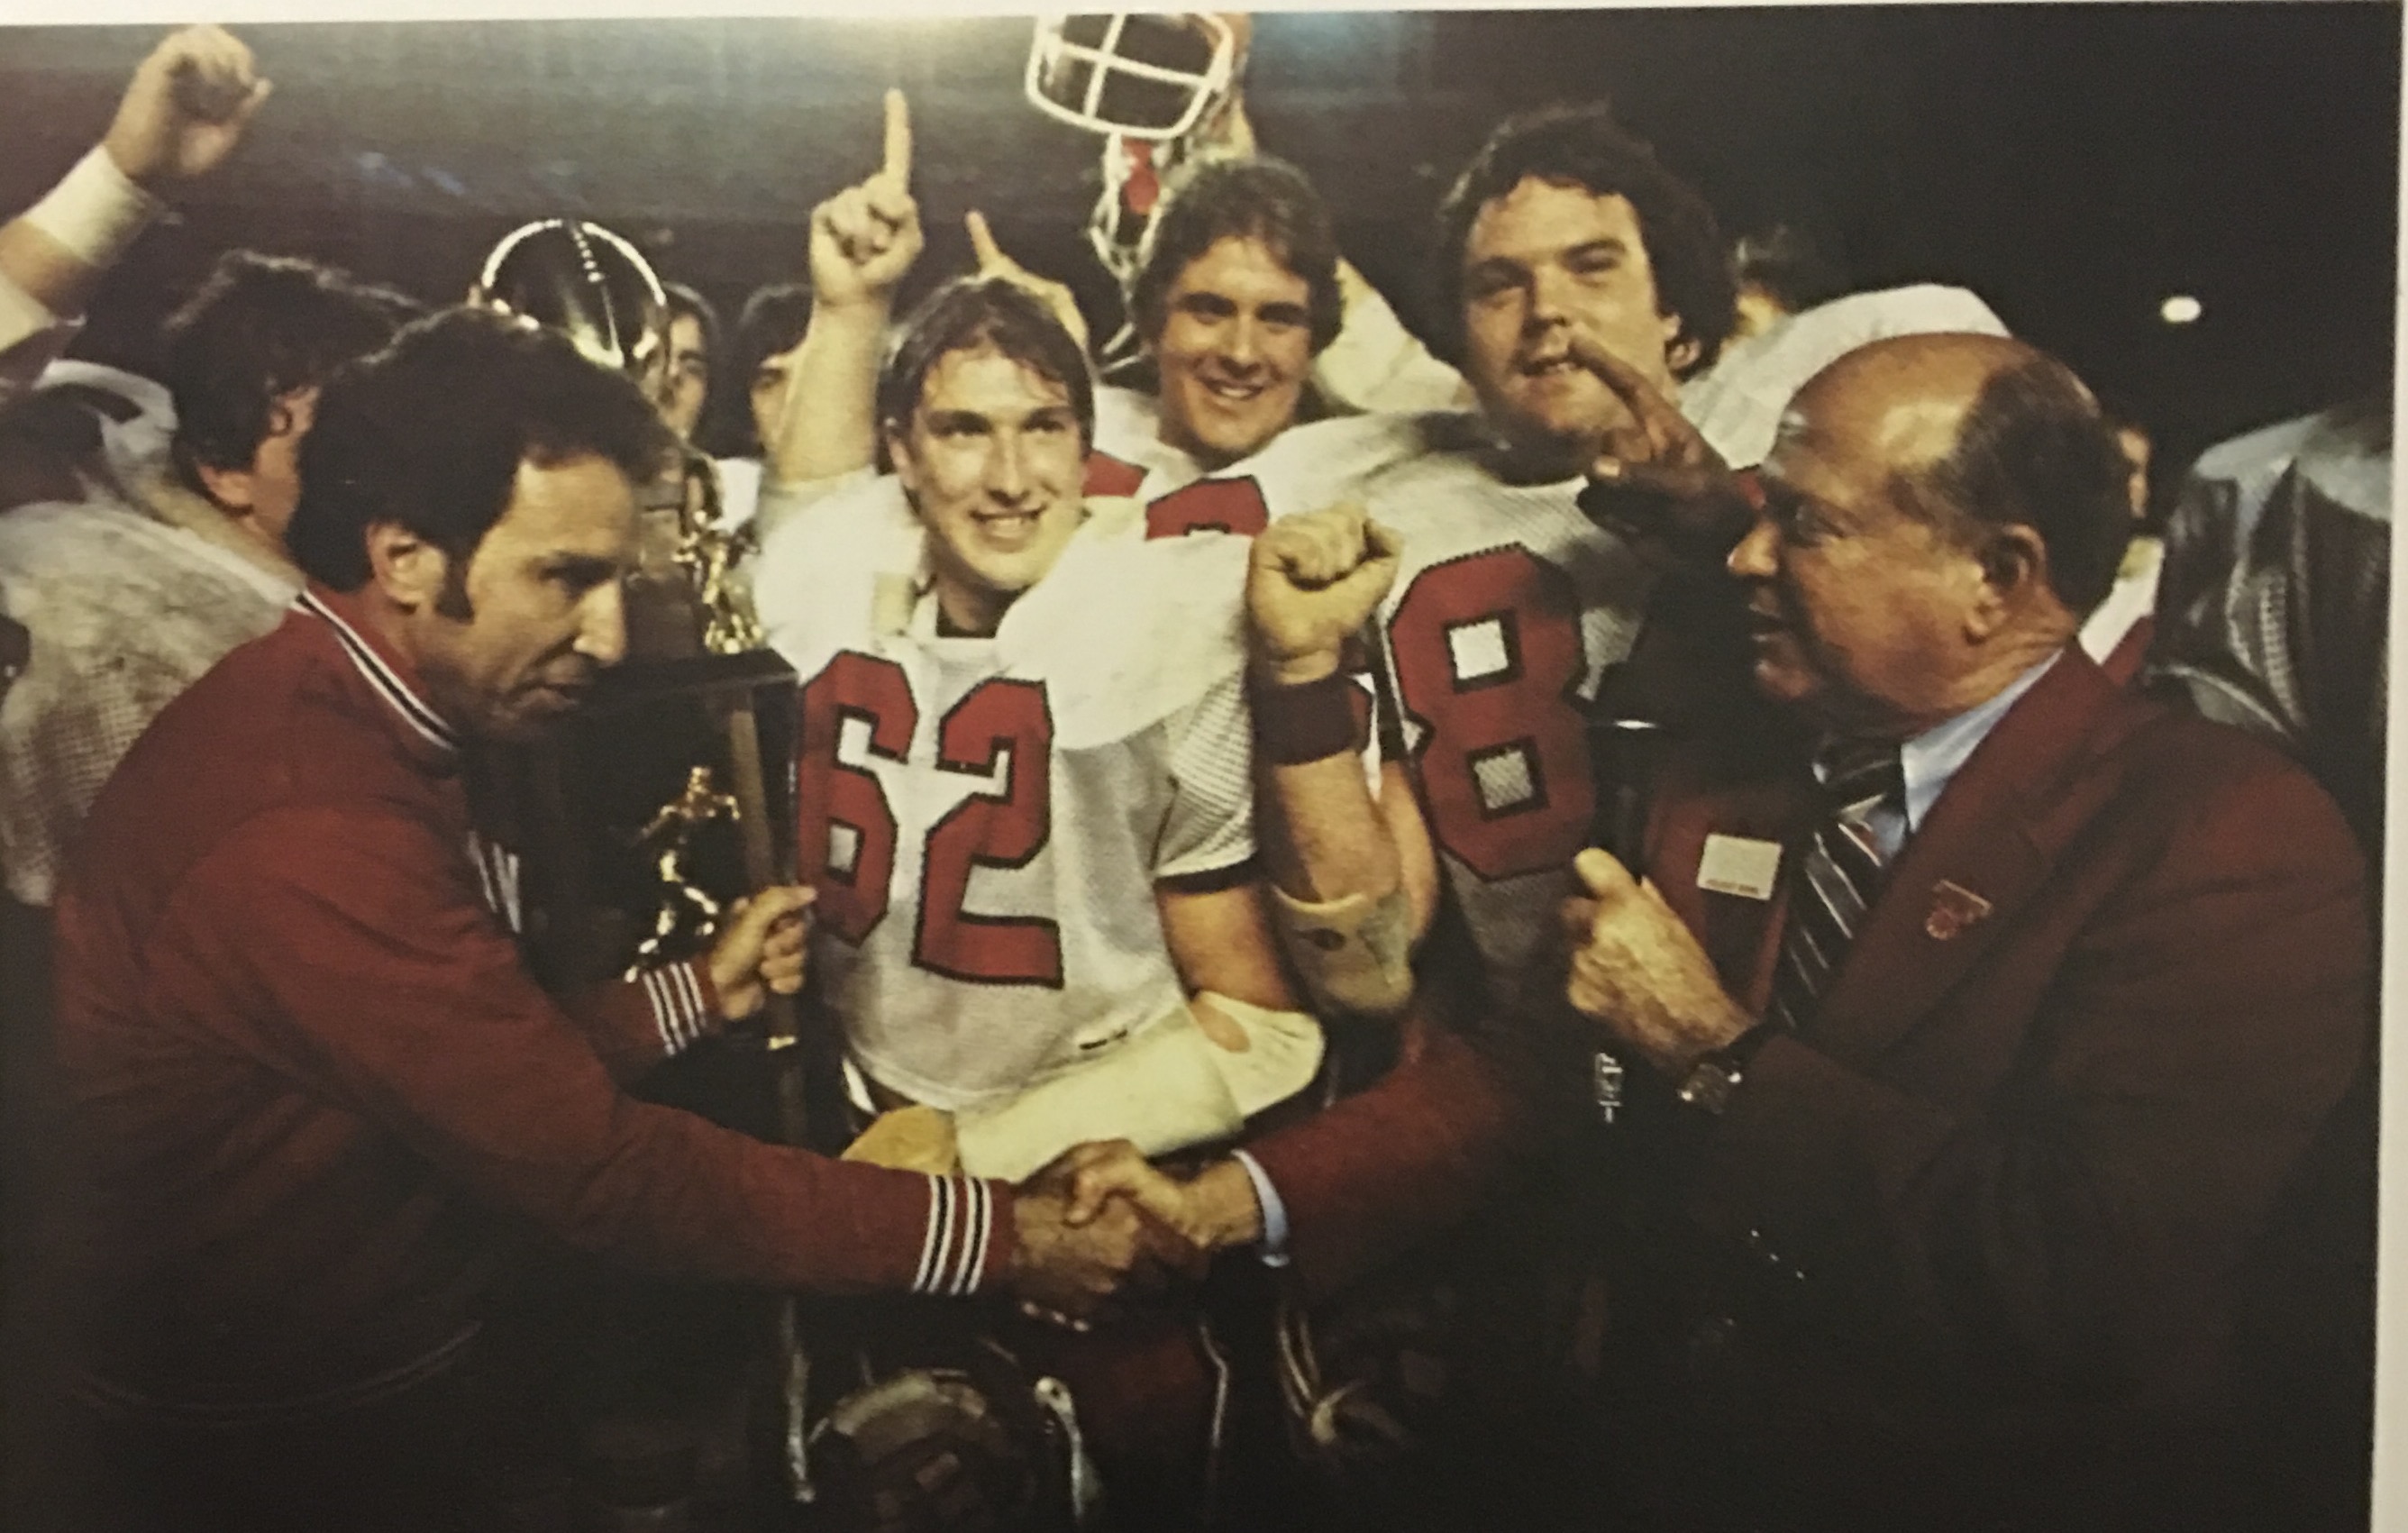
{"x": 1311, "y": 583}
{"x": 761, "y": 951}
{"x": 186, "y": 108}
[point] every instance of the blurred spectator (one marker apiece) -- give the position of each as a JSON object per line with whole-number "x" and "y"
{"x": 131, "y": 591}
{"x": 2119, "y": 630}
{"x": 2276, "y": 595}
{"x": 693, "y": 352}
{"x": 1780, "y": 271}
{"x": 767, "y": 335}
{"x": 184, "y": 113}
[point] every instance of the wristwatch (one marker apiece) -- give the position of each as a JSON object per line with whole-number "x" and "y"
{"x": 1710, "y": 1080}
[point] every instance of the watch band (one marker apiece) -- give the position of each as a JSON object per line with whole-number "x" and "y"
{"x": 1710, "y": 1080}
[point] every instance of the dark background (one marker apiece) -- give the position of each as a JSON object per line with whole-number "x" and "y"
{"x": 2073, "y": 163}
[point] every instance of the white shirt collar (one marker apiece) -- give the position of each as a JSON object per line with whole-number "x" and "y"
{"x": 1931, "y": 758}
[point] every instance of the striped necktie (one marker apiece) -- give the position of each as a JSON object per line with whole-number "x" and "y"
{"x": 1838, "y": 878}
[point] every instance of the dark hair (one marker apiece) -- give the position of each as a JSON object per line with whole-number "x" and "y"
{"x": 429, "y": 434}
{"x": 685, "y": 303}
{"x": 773, "y": 321}
{"x": 971, "y": 313}
{"x": 2035, "y": 450}
{"x": 262, "y": 327}
{"x": 1787, "y": 265}
{"x": 1584, "y": 146}
{"x": 1255, "y": 198}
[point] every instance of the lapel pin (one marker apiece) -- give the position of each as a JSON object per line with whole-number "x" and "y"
{"x": 1953, "y": 908}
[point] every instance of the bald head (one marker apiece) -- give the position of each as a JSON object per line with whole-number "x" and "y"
{"x": 1939, "y": 512}
{"x": 1976, "y": 433}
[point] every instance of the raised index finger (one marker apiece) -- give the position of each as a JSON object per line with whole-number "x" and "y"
{"x": 1663, "y": 422}
{"x": 898, "y": 137}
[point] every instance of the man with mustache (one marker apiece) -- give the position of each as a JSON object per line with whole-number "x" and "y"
{"x": 316, "y": 1102}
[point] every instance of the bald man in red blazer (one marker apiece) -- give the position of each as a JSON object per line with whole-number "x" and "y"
{"x": 1961, "y": 1242}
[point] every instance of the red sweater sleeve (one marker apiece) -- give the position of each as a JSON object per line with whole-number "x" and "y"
{"x": 357, "y": 954}
{"x": 635, "y": 1024}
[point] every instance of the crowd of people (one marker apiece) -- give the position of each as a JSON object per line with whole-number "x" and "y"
{"x": 1646, "y": 911}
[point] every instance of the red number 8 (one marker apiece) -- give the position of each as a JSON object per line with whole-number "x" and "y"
{"x": 1488, "y": 659}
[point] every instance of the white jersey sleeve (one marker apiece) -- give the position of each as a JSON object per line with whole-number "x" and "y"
{"x": 1211, "y": 825}
{"x": 1735, "y": 404}
{"x": 1376, "y": 364}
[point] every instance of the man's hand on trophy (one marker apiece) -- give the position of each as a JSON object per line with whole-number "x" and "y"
{"x": 1313, "y": 582}
{"x": 1655, "y": 475}
{"x": 1071, "y": 1273}
{"x": 993, "y": 261}
{"x": 866, "y": 237}
{"x": 761, "y": 950}
{"x": 186, "y": 108}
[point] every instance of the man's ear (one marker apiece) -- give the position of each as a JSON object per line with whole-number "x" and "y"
{"x": 230, "y": 489}
{"x": 898, "y": 455}
{"x": 406, "y": 568}
{"x": 2013, "y": 561}
{"x": 1681, "y": 352}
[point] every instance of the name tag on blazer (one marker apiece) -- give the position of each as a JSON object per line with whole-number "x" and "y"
{"x": 1741, "y": 866}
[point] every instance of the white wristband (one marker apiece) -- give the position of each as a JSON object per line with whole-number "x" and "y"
{"x": 95, "y": 211}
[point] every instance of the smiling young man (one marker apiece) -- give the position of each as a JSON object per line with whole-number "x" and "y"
{"x": 1240, "y": 291}
{"x": 316, "y": 1099}
{"x": 1040, "y": 847}
{"x": 1026, "y": 803}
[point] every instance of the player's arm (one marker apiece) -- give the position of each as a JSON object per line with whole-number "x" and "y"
{"x": 184, "y": 113}
{"x": 1355, "y": 880}
{"x": 863, "y": 242}
{"x": 1222, "y": 940}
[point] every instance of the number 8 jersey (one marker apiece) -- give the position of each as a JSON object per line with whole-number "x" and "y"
{"x": 1508, "y": 610}
{"x": 986, "y": 819}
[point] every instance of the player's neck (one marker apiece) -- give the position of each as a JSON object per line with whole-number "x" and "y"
{"x": 969, "y": 613}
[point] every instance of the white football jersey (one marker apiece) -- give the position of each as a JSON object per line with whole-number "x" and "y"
{"x": 986, "y": 818}
{"x": 1507, "y": 608}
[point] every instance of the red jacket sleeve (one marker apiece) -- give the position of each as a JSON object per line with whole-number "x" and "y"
{"x": 635, "y": 1024}
{"x": 376, "y": 976}
{"x": 1378, "y": 1172}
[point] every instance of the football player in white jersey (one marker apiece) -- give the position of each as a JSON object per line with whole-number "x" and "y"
{"x": 1024, "y": 788}
{"x": 1024, "y": 765}
{"x": 1500, "y": 604}
{"x": 1238, "y": 296}
{"x": 1587, "y": 291}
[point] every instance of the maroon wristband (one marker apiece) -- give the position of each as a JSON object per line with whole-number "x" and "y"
{"x": 1294, "y": 724}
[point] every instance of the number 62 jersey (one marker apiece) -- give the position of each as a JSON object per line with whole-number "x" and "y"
{"x": 986, "y": 818}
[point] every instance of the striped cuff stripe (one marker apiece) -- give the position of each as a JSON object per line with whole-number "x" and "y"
{"x": 676, "y": 998}
{"x": 652, "y": 980}
{"x": 961, "y": 1220}
{"x": 689, "y": 987}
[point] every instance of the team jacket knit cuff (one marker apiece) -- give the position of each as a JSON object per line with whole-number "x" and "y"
{"x": 685, "y": 1006}
{"x": 969, "y": 1244}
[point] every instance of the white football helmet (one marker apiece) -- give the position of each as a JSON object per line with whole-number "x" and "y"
{"x": 1159, "y": 88}
{"x": 1132, "y": 75}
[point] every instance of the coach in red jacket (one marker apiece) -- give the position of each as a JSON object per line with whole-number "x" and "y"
{"x": 1966, "y": 1060}
{"x": 311, "y": 1087}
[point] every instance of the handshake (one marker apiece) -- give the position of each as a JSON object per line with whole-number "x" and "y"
{"x": 1101, "y": 1224}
